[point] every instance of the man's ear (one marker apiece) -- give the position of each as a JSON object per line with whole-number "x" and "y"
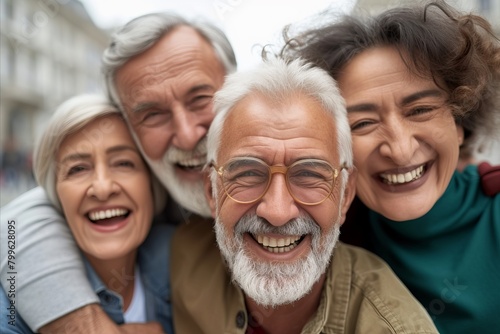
{"x": 209, "y": 193}
{"x": 349, "y": 191}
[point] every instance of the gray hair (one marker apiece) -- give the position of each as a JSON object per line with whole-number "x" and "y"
{"x": 277, "y": 80}
{"x": 72, "y": 116}
{"x": 143, "y": 32}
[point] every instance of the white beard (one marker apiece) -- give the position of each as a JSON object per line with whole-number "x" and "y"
{"x": 271, "y": 284}
{"x": 190, "y": 195}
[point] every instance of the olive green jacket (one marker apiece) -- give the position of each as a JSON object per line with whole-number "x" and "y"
{"x": 361, "y": 294}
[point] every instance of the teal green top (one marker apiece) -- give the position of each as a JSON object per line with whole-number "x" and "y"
{"x": 450, "y": 257}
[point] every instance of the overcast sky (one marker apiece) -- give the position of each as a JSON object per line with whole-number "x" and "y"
{"x": 247, "y": 23}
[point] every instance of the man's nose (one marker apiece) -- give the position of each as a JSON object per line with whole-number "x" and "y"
{"x": 188, "y": 129}
{"x": 277, "y": 205}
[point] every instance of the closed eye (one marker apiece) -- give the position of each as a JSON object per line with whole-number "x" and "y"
{"x": 155, "y": 117}
{"x": 76, "y": 170}
{"x": 360, "y": 124}
{"x": 125, "y": 163}
{"x": 200, "y": 102}
{"x": 421, "y": 110}
{"x": 250, "y": 173}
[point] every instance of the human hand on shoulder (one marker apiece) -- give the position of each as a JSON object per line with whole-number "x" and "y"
{"x": 91, "y": 319}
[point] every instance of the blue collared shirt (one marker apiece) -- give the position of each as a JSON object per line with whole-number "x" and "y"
{"x": 153, "y": 259}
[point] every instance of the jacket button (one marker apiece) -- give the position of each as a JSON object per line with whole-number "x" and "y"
{"x": 240, "y": 319}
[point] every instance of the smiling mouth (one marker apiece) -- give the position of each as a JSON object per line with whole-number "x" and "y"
{"x": 107, "y": 217}
{"x": 191, "y": 165}
{"x": 402, "y": 178}
{"x": 196, "y": 168}
{"x": 278, "y": 245}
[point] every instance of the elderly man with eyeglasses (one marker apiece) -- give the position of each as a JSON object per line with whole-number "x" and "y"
{"x": 280, "y": 182}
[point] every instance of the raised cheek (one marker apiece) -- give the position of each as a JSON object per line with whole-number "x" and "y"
{"x": 65, "y": 198}
{"x": 231, "y": 212}
{"x": 228, "y": 215}
{"x": 138, "y": 181}
{"x": 154, "y": 143}
{"x": 207, "y": 118}
{"x": 325, "y": 216}
{"x": 361, "y": 148}
{"x": 70, "y": 210}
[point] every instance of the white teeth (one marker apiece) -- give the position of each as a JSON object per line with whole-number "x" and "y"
{"x": 278, "y": 245}
{"x": 105, "y": 214}
{"x": 195, "y": 162}
{"x": 403, "y": 178}
{"x": 273, "y": 242}
{"x": 408, "y": 177}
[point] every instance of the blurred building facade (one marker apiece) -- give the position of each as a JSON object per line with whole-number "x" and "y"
{"x": 49, "y": 50}
{"x": 489, "y": 9}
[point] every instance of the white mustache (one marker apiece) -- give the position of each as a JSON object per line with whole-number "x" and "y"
{"x": 176, "y": 155}
{"x": 253, "y": 224}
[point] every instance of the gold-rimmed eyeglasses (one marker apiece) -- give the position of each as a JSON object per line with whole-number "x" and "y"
{"x": 246, "y": 180}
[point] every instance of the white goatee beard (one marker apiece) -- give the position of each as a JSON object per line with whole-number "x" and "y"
{"x": 271, "y": 284}
{"x": 189, "y": 195}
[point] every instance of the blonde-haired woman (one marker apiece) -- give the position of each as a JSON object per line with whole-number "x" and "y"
{"x": 92, "y": 171}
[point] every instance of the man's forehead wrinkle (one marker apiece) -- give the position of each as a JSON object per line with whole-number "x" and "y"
{"x": 154, "y": 80}
{"x": 167, "y": 67}
{"x": 180, "y": 64}
{"x": 263, "y": 141}
{"x": 171, "y": 59}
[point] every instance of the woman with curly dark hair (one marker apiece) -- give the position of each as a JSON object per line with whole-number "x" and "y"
{"x": 421, "y": 84}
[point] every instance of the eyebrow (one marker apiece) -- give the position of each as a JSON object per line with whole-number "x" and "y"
{"x": 86, "y": 156}
{"x": 420, "y": 95}
{"x": 143, "y": 106}
{"x": 198, "y": 88}
{"x": 75, "y": 157}
{"x": 147, "y": 105}
{"x": 362, "y": 107}
{"x": 406, "y": 100}
{"x": 121, "y": 148}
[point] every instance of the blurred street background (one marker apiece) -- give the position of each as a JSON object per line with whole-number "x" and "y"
{"x": 50, "y": 50}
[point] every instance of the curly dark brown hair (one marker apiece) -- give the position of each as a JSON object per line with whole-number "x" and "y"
{"x": 459, "y": 50}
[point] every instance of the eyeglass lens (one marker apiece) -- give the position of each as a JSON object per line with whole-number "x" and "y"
{"x": 309, "y": 181}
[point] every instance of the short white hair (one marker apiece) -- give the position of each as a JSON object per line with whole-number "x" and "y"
{"x": 71, "y": 116}
{"x": 277, "y": 80}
